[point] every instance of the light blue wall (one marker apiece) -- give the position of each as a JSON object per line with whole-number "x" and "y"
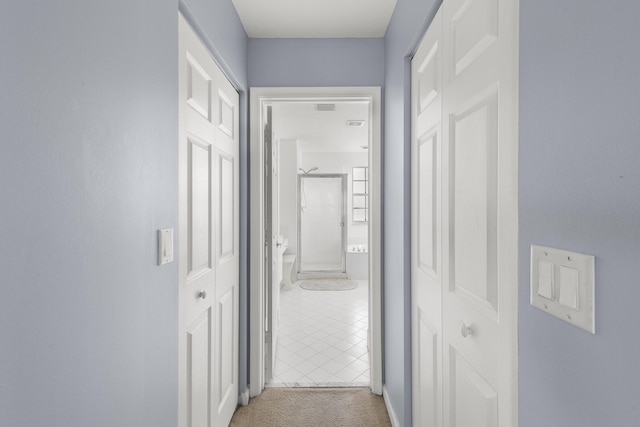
{"x": 316, "y": 62}
{"x": 580, "y": 190}
{"x": 408, "y": 25}
{"x": 219, "y": 25}
{"x": 88, "y": 173}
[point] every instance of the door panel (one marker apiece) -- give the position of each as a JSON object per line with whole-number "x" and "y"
{"x": 227, "y": 115}
{"x": 427, "y": 202}
{"x": 428, "y": 367}
{"x": 199, "y": 207}
{"x": 275, "y": 276}
{"x": 198, "y": 345}
{"x": 272, "y": 246}
{"x": 473, "y": 204}
{"x": 208, "y": 238}
{"x": 474, "y": 28}
{"x": 227, "y": 206}
{"x": 480, "y": 212}
{"x": 225, "y": 362}
{"x": 464, "y": 215}
{"x": 426, "y": 213}
{"x": 198, "y": 88}
{"x": 475, "y": 402}
{"x": 227, "y": 267}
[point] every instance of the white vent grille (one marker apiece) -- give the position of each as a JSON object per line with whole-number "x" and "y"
{"x": 325, "y": 107}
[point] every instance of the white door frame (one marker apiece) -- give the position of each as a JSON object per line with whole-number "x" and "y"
{"x": 258, "y": 98}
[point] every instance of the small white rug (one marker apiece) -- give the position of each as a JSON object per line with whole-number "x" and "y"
{"x": 328, "y": 284}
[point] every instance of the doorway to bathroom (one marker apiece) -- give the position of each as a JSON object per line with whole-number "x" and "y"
{"x": 315, "y": 268}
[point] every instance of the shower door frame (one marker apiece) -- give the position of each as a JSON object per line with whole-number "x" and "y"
{"x": 343, "y": 224}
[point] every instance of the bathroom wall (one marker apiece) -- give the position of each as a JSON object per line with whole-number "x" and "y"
{"x": 292, "y": 158}
{"x": 357, "y": 232}
{"x": 288, "y": 172}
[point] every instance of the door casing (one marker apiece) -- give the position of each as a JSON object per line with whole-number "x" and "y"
{"x": 259, "y": 97}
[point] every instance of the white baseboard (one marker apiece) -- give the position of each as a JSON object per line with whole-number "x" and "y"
{"x": 243, "y": 398}
{"x": 392, "y": 414}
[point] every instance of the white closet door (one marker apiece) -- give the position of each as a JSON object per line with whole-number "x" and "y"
{"x": 426, "y": 209}
{"x": 208, "y": 238}
{"x": 465, "y": 199}
{"x": 480, "y": 215}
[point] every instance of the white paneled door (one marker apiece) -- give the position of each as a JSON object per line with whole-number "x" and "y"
{"x": 208, "y": 238}
{"x": 426, "y": 224}
{"x": 273, "y": 243}
{"x": 465, "y": 199}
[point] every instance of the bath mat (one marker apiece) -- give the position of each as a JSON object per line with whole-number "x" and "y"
{"x": 328, "y": 284}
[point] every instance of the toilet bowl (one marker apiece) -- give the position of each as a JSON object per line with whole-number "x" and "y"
{"x": 287, "y": 265}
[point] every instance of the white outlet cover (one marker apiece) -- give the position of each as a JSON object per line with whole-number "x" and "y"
{"x": 570, "y": 293}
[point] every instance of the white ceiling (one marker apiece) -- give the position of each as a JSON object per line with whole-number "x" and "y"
{"x": 322, "y": 131}
{"x": 315, "y": 18}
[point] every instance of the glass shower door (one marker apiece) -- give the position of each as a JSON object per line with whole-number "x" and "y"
{"x": 322, "y": 222}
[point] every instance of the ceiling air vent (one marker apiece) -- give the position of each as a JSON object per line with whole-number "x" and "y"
{"x": 355, "y": 123}
{"x": 326, "y": 107}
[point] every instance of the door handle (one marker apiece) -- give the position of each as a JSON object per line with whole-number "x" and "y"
{"x": 202, "y": 294}
{"x": 465, "y": 330}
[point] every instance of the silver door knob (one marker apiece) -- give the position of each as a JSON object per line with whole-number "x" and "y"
{"x": 202, "y": 294}
{"x": 465, "y": 330}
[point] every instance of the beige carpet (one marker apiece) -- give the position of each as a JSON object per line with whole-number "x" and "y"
{"x": 313, "y": 407}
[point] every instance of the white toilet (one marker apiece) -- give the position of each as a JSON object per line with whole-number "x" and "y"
{"x": 287, "y": 265}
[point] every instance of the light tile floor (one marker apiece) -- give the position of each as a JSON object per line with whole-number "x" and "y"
{"x": 322, "y": 340}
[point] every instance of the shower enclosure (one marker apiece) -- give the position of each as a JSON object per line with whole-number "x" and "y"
{"x": 322, "y": 230}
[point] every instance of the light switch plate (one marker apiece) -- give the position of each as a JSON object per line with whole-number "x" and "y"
{"x": 563, "y": 285}
{"x": 165, "y": 246}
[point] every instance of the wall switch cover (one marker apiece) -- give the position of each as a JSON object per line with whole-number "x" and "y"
{"x": 563, "y": 285}
{"x": 165, "y": 246}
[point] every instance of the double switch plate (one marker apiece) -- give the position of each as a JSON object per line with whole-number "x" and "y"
{"x": 562, "y": 284}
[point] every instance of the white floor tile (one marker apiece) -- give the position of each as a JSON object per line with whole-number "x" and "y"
{"x": 322, "y": 339}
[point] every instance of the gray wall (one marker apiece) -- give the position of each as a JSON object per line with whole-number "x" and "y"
{"x": 408, "y": 25}
{"x": 316, "y": 62}
{"x": 580, "y": 190}
{"x": 88, "y": 173}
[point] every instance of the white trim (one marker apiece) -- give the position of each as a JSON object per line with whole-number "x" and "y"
{"x": 259, "y": 96}
{"x": 392, "y": 414}
{"x": 243, "y": 398}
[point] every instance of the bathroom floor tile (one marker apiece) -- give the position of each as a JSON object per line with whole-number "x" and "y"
{"x": 322, "y": 338}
